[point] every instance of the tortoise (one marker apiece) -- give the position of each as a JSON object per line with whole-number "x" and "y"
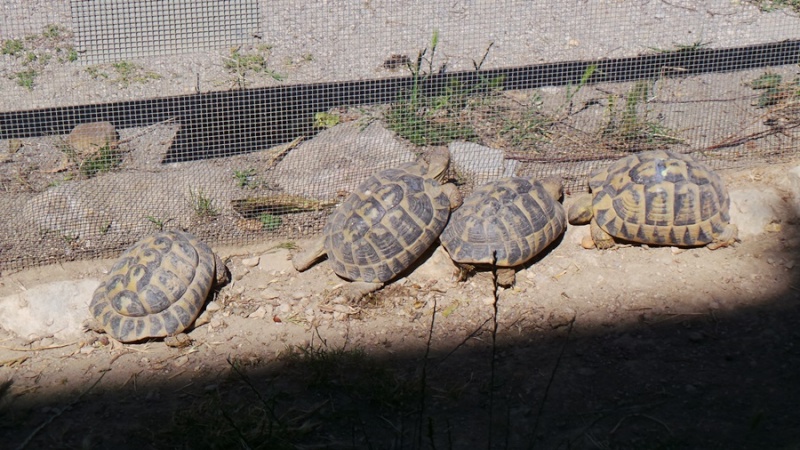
{"x": 385, "y": 224}
{"x": 656, "y": 197}
{"x": 506, "y": 223}
{"x": 156, "y": 288}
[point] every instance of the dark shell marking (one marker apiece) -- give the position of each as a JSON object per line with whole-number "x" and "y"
{"x": 385, "y": 225}
{"x": 156, "y": 288}
{"x": 512, "y": 218}
{"x": 660, "y": 197}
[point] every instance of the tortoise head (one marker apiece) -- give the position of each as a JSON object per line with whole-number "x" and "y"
{"x": 553, "y": 186}
{"x": 438, "y": 162}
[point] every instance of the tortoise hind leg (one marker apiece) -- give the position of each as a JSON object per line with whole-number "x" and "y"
{"x": 356, "y": 290}
{"x": 726, "y": 238}
{"x": 506, "y": 276}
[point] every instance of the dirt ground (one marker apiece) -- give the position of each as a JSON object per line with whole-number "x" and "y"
{"x": 628, "y": 348}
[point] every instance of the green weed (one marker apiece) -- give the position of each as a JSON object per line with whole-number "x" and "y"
{"x": 106, "y": 159}
{"x": 775, "y": 91}
{"x": 270, "y": 222}
{"x": 425, "y": 118}
{"x": 244, "y": 178}
{"x": 288, "y": 245}
{"x": 203, "y": 205}
{"x": 158, "y": 222}
{"x": 26, "y": 78}
{"x": 774, "y": 5}
{"x": 632, "y": 128}
{"x": 243, "y": 63}
{"x": 326, "y": 120}
{"x": 12, "y": 47}
{"x": 123, "y": 72}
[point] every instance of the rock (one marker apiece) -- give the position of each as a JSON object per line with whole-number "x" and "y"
{"x": 251, "y": 262}
{"x": 260, "y": 313}
{"x": 276, "y": 260}
{"x": 58, "y": 308}
{"x": 753, "y": 210}
{"x": 213, "y": 306}
{"x": 794, "y": 185}
{"x": 177, "y": 196}
{"x": 561, "y": 317}
{"x": 480, "y": 164}
{"x": 88, "y": 139}
{"x": 339, "y": 159}
{"x": 438, "y": 267}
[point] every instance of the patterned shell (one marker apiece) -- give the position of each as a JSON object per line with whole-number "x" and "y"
{"x": 660, "y": 197}
{"x": 511, "y": 219}
{"x": 385, "y": 225}
{"x": 156, "y": 288}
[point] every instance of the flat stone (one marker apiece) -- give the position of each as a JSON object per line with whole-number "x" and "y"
{"x": 753, "y": 210}
{"x": 339, "y": 159}
{"x": 251, "y": 262}
{"x": 276, "y": 260}
{"x": 89, "y": 138}
{"x": 58, "y": 309}
{"x": 479, "y": 163}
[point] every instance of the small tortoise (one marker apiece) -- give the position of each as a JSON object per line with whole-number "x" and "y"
{"x": 506, "y": 223}
{"x": 656, "y": 197}
{"x": 388, "y": 222}
{"x": 156, "y": 288}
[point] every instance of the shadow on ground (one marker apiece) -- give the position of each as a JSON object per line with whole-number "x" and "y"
{"x": 711, "y": 380}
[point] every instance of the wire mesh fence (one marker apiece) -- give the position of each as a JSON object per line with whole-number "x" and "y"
{"x": 246, "y": 120}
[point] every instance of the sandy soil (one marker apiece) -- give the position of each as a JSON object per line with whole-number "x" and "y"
{"x": 629, "y": 348}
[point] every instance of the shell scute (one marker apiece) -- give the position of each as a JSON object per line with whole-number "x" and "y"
{"x": 660, "y": 197}
{"x": 156, "y": 288}
{"x": 505, "y": 222}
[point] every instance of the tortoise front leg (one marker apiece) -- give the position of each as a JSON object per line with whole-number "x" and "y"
{"x": 602, "y": 240}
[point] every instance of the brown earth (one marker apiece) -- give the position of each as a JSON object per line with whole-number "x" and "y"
{"x": 628, "y": 348}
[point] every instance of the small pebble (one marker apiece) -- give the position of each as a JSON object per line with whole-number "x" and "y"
{"x": 269, "y": 294}
{"x": 251, "y": 262}
{"x": 259, "y": 313}
{"x": 587, "y": 242}
{"x": 213, "y": 306}
{"x": 181, "y": 361}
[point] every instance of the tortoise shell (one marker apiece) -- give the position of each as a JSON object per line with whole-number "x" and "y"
{"x": 390, "y": 220}
{"x": 660, "y": 197}
{"x": 505, "y": 222}
{"x": 157, "y": 287}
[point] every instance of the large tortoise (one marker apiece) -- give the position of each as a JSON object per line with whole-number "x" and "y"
{"x": 506, "y": 223}
{"x": 388, "y": 222}
{"x": 156, "y": 288}
{"x": 656, "y": 197}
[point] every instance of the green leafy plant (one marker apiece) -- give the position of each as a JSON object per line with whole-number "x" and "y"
{"x": 26, "y": 78}
{"x": 242, "y": 63}
{"x": 774, "y": 91}
{"x": 631, "y": 127}
{"x": 427, "y": 118}
{"x": 106, "y": 159}
{"x": 244, "y": 178}
{"x": 123, "y": 72}
{"x": 12, "y": 47}
{"x": 202, "y": 204}
{"x": 158, "y": 222}
{"x": 326, "y": 120}
{"x": 774, "y": 5}
{"x": 270, "y": 222}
